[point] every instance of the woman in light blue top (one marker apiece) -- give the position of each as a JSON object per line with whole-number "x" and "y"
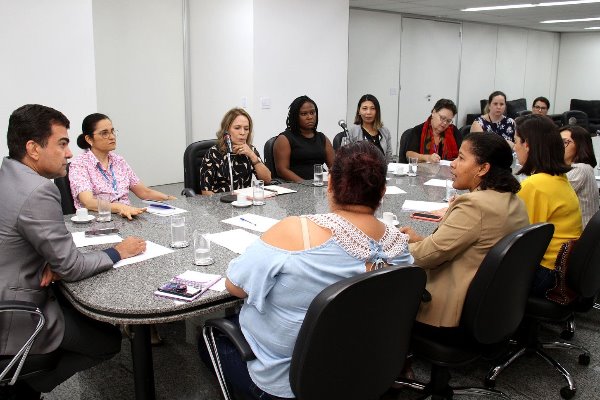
{"x": 280, "y": 274}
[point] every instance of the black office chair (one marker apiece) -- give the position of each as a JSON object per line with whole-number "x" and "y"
{"x": 583, "y": 276}
{"x": 464, "y": 131}
{"x": 354, "y": 338}
{"x": 269, "y": 158}
{"x": 523, "y": 113}
{"x": 404, "y": 139}
{"x": 24, "y": 365}
{"x": 66, "y": 196}
{"x": 192, "y": 160}
{"x": 337, "y": 140}
{"x": 574, "y": 117}
{"x": 494, "y": 306}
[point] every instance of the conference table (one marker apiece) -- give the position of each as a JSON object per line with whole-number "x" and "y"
{"x": 125, "y": 295}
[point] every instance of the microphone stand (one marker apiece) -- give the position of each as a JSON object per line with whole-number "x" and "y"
{"x": 231, "y": 197}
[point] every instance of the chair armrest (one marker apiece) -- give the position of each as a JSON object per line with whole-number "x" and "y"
{"x": 188, "y": 192}
{"x": 16, "y": 305}
{"x": 234, "y": 333}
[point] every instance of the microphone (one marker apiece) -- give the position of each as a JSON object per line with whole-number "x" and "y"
{"x": 342, "y": 124}
{"x": 227, "y": 137}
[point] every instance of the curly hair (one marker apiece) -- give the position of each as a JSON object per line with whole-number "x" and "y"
{"x": 493, "y": 149}
{"x": 226, "y": 122}
{"x": 292, "y": 121}
{"x": 358, "y": 175}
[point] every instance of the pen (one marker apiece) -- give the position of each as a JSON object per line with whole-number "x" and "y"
{"x": 245, "y": 220}
{"x": 166, "y": 207}
{"x": 271, "y": 190}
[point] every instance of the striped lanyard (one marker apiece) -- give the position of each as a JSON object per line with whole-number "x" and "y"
{"x": 114, "y": 179}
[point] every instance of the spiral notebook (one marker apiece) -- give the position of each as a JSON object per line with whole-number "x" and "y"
{"x": 197, "y": 284}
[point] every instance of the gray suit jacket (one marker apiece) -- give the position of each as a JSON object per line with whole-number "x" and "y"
{"x": 33, "y": 233}
{"x": 355, "y": 134}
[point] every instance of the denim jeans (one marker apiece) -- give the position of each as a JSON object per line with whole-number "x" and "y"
{"x": 235, "y": 370}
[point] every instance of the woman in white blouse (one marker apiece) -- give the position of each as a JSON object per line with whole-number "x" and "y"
{"x": 579, "y": 154}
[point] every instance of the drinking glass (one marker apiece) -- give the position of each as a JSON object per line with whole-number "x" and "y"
{"x": 412, "y": 166}
{"x": 450, "y": 191}
{"x": 258, "y": 193}
{"x": 202, "y": 248}
{"x": 318, "y": 175}
{"x": 344, "y": 141}
{"x": 103, "y": 207}
{"x": 178, "y": 232}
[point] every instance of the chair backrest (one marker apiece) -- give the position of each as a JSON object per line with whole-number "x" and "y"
{"x": 192, "y": 160}
{"x": 337, "y": 140}
{"x": 523, "y": 113}
{"x": 575, "y": 117}
{"x": 464, "y": 131}
{"x": 354, "y": 338}
{"x": 513, "y": 107}
{"x": 66, "y": 196}
{"x": 269, "y": 158}
{"x": 403, "y": 146}
{"x": 583, "y": 274}
{"x": 497, "y": 297}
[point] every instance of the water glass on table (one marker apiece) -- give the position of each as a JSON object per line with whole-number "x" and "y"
{"x": 344, "y": 141}
{"x": 450, "y": 191}
{"x": 202, "y": 248}
{"x": 412, "y": 166}
{"x": 103, "y": 207}
{"x": 318, "y": 175}
{"x": 258, "y": 193}
{"x": 178, "y": 232}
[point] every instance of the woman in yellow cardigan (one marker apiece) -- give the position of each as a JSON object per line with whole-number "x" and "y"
{"x": 547, "y": 193}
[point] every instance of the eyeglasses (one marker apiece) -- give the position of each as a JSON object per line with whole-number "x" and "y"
{"x": 105, "y": 133}
{"x": 567, "y": 142}
{"x": 444, "y": 120}
{"x": 540, "y": 108}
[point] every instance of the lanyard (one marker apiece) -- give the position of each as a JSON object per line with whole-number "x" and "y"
{"x": 114, "y": 180}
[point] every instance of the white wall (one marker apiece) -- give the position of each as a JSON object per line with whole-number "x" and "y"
{"x": 139, "y": 76}
{"x": 222, "y": 62}
{"x": 371, "y": 37}
{"x": 47, "y": 52}
{"x": 300, "y": 48}
{"x": 578, "y": 69}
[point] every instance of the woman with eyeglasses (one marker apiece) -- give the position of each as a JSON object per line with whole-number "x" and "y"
{"x": 99, "y": 170}
{"x": 297, "y": 149}
{"x": 437, "y": 138}
{"x": 548, "y": 195}
{"x": 579, "y": 154}
{"x": 540, "y": 106}
{"x": 368, "y": 126}
{"x": 494, "y": 121}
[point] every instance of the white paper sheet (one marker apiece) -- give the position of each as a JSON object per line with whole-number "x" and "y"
{"x": 414, "y": 205}
{"x": 393, "y": 190}
{"x": 248, "y": 192}
{"x": 281, "y": 189}
{"x": 445, "y": 162}
{"x": 152, "y": 250}
{"x": 219, "y": 286}
{"x": 236, "y": 240}
{"x": 436, "y": 182}
{"x": 82, "y": 241}
{"x": 252, "y": 221}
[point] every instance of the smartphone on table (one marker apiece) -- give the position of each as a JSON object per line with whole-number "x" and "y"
{"x": 179, "y": 289}
{"x": 426, "y": 216}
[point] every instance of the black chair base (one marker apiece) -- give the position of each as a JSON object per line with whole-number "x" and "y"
{"x": 533, "y": 346}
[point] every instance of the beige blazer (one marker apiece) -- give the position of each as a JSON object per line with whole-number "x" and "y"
{"x": 451, "y": 255}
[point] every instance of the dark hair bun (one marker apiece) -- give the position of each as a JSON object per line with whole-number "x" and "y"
{"x": 82, "y": 143}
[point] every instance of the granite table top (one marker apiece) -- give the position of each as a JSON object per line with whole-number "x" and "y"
{"x": 126, "y": 294}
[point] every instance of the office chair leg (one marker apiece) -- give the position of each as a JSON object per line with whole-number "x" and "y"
{"x": 584, "y": 357}
{"x": 211, "y": 345}
{"x": 569, "y": 331}
{"x": 596, "y": 306}
{"x": 479, "y": 392}
{"x": 568, "y": 391}
{"x": 490, "y": 379}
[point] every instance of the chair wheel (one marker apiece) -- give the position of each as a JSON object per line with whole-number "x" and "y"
{"x": 584, "y": 359}
{"x": 567, "y": 393}
{"x": 489, "y": 383}
{"x": 567, "y": 334}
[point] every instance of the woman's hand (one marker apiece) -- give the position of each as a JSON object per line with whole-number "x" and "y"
{"x": 245, "y": 150}
{"x": 129, "y": 212}
{"x": 433, "y": 158}
{"x": 412, "y": 235}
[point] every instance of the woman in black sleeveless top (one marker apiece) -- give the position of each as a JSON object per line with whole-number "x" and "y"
{"x": 300, "y": 146}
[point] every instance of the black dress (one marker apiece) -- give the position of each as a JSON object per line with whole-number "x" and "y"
{"x": 305, "y": 153}
{"x": 214, "y": 171}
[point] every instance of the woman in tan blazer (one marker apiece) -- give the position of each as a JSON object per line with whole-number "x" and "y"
{"x": 473, "y": 223}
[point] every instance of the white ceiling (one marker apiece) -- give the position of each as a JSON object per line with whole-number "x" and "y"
{"x": 525, "y": 17}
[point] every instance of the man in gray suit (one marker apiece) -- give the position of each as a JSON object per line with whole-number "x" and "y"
{"x": 36, "y": 249}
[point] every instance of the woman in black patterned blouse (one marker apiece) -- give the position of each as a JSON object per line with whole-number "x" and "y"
{"x": 245, "y": 160}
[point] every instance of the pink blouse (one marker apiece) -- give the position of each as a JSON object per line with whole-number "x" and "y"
{"x": 86, "y": 174}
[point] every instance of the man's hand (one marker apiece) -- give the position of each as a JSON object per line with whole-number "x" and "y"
{"x": 131, "y": 246}
{"x": 48, "y": 276}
